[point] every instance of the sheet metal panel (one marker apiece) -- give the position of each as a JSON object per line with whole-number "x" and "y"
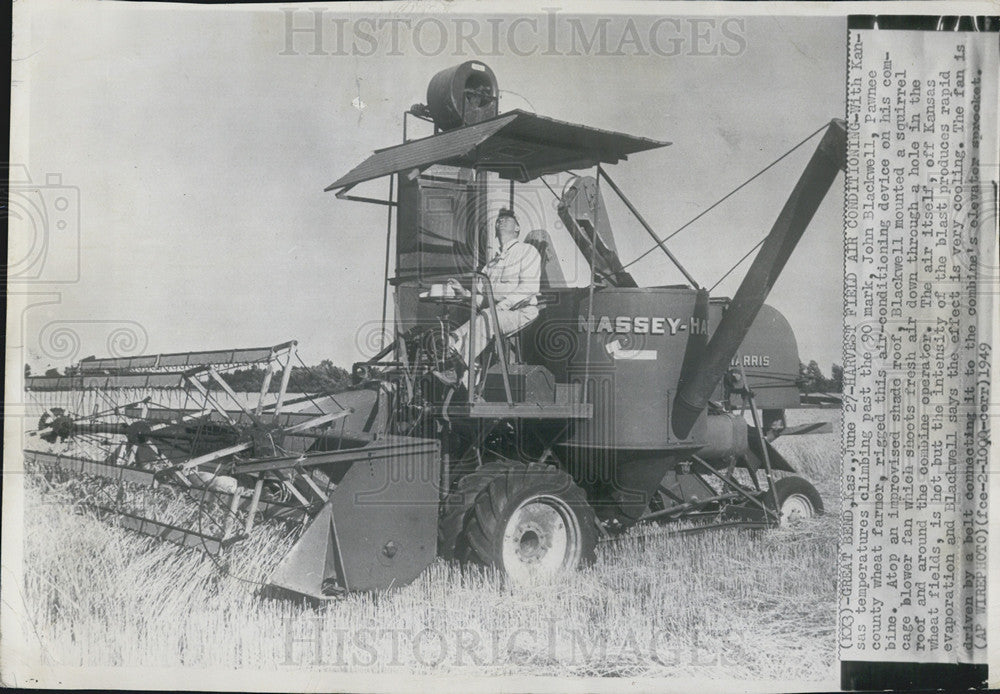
{"x": 441, "y": 148}
{"x": 103, "y": 382}
{"x": 178, "y": 359}
{"x": 379, "y": 528}
{"x": 516, "y": 145}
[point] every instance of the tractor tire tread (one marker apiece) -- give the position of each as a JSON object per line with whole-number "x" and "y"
{"x": 492, "y": 507}
{"x": 459, "y": 502}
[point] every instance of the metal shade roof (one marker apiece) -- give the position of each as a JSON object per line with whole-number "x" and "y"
{"x": 516, "y": 145}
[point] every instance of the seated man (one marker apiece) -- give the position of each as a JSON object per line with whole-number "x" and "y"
{"x": 514, "y": 273}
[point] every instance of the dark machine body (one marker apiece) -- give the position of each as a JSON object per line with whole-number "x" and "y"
{"x": 650, "y": 363}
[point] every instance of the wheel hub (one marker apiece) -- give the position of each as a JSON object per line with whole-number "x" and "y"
{"x": 541, "y": 538}
{"x": 534, "y": 543}
{"x": 795, "y": 508}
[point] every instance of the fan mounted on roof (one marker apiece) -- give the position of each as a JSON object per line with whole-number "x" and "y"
{"x": 463, "y": 95}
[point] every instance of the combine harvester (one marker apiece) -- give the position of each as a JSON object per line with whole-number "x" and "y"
{"x": 617, "y": 405}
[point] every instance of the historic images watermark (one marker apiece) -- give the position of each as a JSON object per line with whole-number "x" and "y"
{"x": 314, "y": 643}
{"x": 320, "y": 32}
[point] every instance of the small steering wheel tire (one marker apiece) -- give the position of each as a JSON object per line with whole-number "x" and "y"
{"x": 797, "y": 500}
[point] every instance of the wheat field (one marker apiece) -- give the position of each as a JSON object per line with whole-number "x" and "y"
{"x": 728, "y": 604}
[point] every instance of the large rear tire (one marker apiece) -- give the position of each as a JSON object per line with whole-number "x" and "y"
{"x": 458, "y": 504}
{"x": 797, "y": 500}
{"x": 533, "y": 521}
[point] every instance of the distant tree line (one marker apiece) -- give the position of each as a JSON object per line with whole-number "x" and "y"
{"x": 324, "y": 377}
{"x": 812, "y": 379}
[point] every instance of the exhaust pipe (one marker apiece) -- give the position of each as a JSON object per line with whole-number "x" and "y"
{"x": 802, "y": 204}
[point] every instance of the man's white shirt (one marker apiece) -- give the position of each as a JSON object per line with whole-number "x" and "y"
{"x": 515, "y": 274}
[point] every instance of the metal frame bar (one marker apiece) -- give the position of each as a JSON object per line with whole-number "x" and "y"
{"x": 234, "y": 507}
{"x": 311, "y": 483}
{"x": 231, "y": 393}
{"x": 258, "y": 489}
{"x": 165, "y": 531}
{"x": 585, "y": 390}
{"x": 645, "y": 225}
{"x": 264, "y": 388}
{"x": 297, "y": 429}
{"x": 410, "y": 113}
{"x": 688, "y": 505}
{"x": 731, "y": 484}
{"x": 285, "y": 375}
{"x": 215, "y": 455}
{"x": 520, "y": 410}
{"x": 763, "y": 448}
{"x": 497, "y": 336}
{"x": 192, "y": 378}
{"x": 388, "y": 240}
{"x": 473, "y": 316}
{"x": 288, "y": 481}
{"x": 374, "y": 201}
{"x": 338, "y": 554}
{"x": 473, "y": 298}
{"x": 118, "y": 473}
{"x": 384, "y": 448}
{"x": 91, "y": 365}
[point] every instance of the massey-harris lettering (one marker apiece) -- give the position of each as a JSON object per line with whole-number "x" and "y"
{"x": 643, "y": 325}
{"x": 751, "y": 360}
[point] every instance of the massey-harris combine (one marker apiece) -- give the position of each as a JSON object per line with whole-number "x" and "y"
{"x": 618, "y": 405}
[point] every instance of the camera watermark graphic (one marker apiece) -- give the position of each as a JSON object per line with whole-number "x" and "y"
{"x": 51, "y": 357}
{"x": 321, "y": 32}
{"x": 63, "y": 340}
{"x": 43, "y": 220}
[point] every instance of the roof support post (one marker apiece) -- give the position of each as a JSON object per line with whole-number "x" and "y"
{"x": 590, "y": 297}
{"x": 385, "y": 276}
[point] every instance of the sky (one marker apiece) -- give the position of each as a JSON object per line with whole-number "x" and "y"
{"x": 177, "y": 158}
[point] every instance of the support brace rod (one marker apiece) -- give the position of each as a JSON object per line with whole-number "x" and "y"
{"x": 645, "y": 225}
